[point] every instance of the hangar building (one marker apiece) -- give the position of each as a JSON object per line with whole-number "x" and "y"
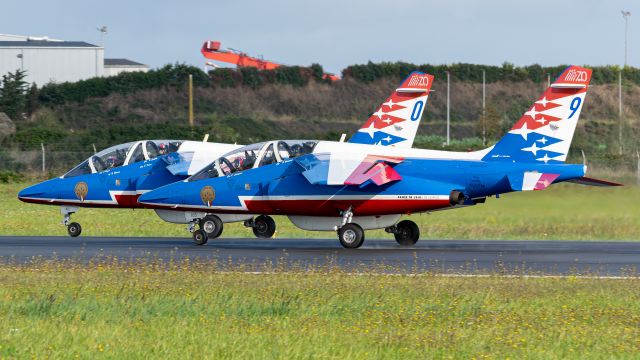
{"x": 51, "y": 60}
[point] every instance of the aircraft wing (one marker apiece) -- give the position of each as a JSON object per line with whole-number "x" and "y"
{"x": 321, "y": 169}
{"x": 593, "y": 182}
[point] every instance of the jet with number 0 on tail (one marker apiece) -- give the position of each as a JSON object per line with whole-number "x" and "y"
{"x": 351, "y": 187}
{"x": 117, "y": 176}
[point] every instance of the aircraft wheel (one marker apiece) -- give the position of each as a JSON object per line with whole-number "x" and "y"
{"x": 407, "y": 233}
{"x": 264, "y": 226}
{"x": 351, "y": 236}
{"x": 200, "y": 237}
{"x": 74, "y": 229}
{"x": 212, "y": 225}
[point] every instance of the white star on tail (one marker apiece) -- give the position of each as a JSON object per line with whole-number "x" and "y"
{"x": 379, "y": 113}
{"x": 533, "y": 148}
{"x": 523, "y": 131}
{"x": 542, "y": 121}
{"x": 387, "y": 139}
{"x": 543, "y": 140}
{"x": 532, "y": 112}
{"x": 545, "y": 158}
{"x": 389, "y": 103}
{"x": 544, "y": 101}
{"x": 369, "y": 130}
{"x": 387, "y": 121}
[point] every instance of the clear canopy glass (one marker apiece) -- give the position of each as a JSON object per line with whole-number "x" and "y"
{"x": 255, "y": 155}
{"x": 124, "y": 154}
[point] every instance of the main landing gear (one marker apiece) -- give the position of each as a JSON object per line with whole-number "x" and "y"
{"x": 351, "y": 235}
{"x": 73, "y": 228}
{"x": 406, "y": 232}
{"x": 263, "y": 226}
{"x": 210, "y": 228}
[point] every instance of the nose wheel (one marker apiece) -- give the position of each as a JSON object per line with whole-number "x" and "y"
{"x": 74, "y": 229}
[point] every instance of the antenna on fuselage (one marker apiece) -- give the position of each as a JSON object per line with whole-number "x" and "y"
{"x": 343, "y": 137}
{"x": 206, "y": 138}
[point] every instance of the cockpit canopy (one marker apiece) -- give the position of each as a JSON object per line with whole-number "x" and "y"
{"x": 124, "y": 154}
{"x": 255, "y": 155}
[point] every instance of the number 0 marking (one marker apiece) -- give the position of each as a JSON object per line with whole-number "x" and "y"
{"x": 417, "y": 111}
{"x": 574, "y": 106}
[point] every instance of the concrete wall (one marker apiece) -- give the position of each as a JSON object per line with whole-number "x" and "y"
{"x": 53, "y": 64}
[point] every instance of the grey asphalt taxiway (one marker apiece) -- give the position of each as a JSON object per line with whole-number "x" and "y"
{"x": 443, "y": 256}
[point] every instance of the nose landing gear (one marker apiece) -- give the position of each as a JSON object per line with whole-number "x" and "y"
{"x": 73, "y": 228}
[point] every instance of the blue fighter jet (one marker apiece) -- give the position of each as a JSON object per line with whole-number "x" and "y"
{"x": 350, "y": 187}
{"x": 117, "y": 176}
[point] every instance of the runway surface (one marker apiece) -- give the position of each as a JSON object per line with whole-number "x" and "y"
{"x": 443, "y": 256}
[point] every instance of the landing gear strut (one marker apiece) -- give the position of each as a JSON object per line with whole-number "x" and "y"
{"x": 406, "y": 232}
{"x": 73, "y": 228}
{"x": 351, "y": 235}
{"x": 263, "y": 226}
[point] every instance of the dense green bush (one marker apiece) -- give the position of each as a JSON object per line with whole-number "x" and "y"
{"x": 471, "y": 72}
{"x": 125, "y": 83}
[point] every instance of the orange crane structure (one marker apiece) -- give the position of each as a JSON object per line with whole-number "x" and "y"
{"x": 211, "y": 50}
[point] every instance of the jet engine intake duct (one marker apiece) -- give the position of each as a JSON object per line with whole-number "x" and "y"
{"x": 456, "y": 198}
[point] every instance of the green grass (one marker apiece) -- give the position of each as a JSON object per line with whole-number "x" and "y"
{"x": 566, "y": 212}
{"x": 182, "y": 310}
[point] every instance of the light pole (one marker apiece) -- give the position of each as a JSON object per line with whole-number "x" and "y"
{"x": 484, "y": 128}
{"x": 103, "y": 31}
{"x": 626, "y": 15}
{"x": 448, "y": 106}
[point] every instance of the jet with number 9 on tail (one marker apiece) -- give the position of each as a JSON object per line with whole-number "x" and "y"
{"x": 351, "y": 187}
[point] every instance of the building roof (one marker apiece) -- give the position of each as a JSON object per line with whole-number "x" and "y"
{"x": 41, "y": 43}
{"x": 121, "y": 62}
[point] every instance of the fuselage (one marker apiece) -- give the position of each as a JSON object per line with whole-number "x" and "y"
{"x": 120, "y": 186}
{"x": 428, "y": 178}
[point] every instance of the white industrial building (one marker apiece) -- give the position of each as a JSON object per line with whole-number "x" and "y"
{"x": 114, "y": 67}
{"x": 49, "y": 60}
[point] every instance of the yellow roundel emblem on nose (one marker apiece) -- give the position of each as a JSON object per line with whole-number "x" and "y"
{"x": 81, "y": 189}
{"x": 207, "y": 194}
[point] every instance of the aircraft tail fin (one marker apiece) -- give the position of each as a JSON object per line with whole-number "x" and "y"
{"x": 396, "y": 121}
{"x": 545, "y": 131}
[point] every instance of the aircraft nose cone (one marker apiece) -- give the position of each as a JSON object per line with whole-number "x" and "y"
{"x": 33, "y": 192}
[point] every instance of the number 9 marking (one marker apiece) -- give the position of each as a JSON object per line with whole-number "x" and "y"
{"x": 417, "y": 111}
{"x": 574, "y": 106}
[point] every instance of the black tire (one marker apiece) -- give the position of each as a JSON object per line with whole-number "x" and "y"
{"x": 407, "y": 233}
{"x": 200, "y": 237}
{"x": 74, "y": 229}
{"x": 351, "y": 236}
{"x": 212, "y": 225}
{"x": 264, "y": 226}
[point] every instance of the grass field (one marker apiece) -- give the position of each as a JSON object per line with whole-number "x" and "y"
{"x": 184, "y": 310}
{"x": 561, "y": 212}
